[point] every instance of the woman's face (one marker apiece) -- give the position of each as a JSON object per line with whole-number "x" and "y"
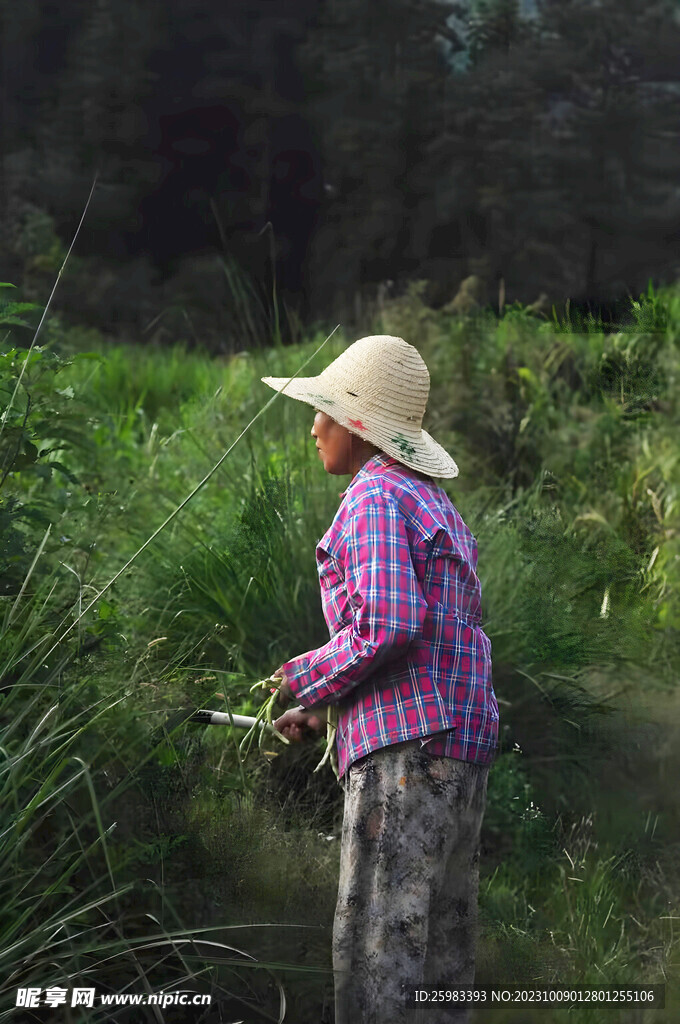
{"x": 333, "y": 443}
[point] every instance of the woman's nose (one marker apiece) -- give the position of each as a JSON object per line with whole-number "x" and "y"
{"x": 313, "y": 431}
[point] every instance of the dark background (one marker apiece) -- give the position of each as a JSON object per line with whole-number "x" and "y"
{"x": 533, "y": 144}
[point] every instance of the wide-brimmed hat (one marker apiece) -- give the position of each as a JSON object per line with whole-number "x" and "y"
{"x": 378, "y": 389}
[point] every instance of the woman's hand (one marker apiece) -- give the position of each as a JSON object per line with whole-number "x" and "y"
{"x": 297, "y": 725}
{"x": 285, "y": 694}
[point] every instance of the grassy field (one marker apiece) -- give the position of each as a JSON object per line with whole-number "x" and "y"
{"x": 129, "y": 842}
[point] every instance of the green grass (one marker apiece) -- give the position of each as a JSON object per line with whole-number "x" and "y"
{"x": 569, "y": 476}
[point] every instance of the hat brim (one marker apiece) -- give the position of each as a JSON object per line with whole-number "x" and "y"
{"x": 414, "y": 448}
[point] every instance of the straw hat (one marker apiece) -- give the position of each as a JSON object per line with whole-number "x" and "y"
{"x": 378, "y": 389}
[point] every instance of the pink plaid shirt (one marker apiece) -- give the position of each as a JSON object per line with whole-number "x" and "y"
{"x": 407, "y": 656}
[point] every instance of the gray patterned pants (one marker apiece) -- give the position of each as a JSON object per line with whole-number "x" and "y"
{"x": 409, "y": 875}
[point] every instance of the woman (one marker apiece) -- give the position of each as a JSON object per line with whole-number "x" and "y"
{"x": 408, "y": 671}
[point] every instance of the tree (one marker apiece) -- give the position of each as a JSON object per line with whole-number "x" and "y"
{"x": 376, "y": 76}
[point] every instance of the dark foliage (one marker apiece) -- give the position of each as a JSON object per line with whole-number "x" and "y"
{"x": 382, "y": 141}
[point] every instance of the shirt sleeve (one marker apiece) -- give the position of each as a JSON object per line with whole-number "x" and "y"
{"x": 388, "y": 608}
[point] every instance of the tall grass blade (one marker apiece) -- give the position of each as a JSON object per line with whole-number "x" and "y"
{"x": 3, "y": 418}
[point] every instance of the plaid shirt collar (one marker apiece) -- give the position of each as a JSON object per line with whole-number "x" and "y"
{"x": 369, "y": 467}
